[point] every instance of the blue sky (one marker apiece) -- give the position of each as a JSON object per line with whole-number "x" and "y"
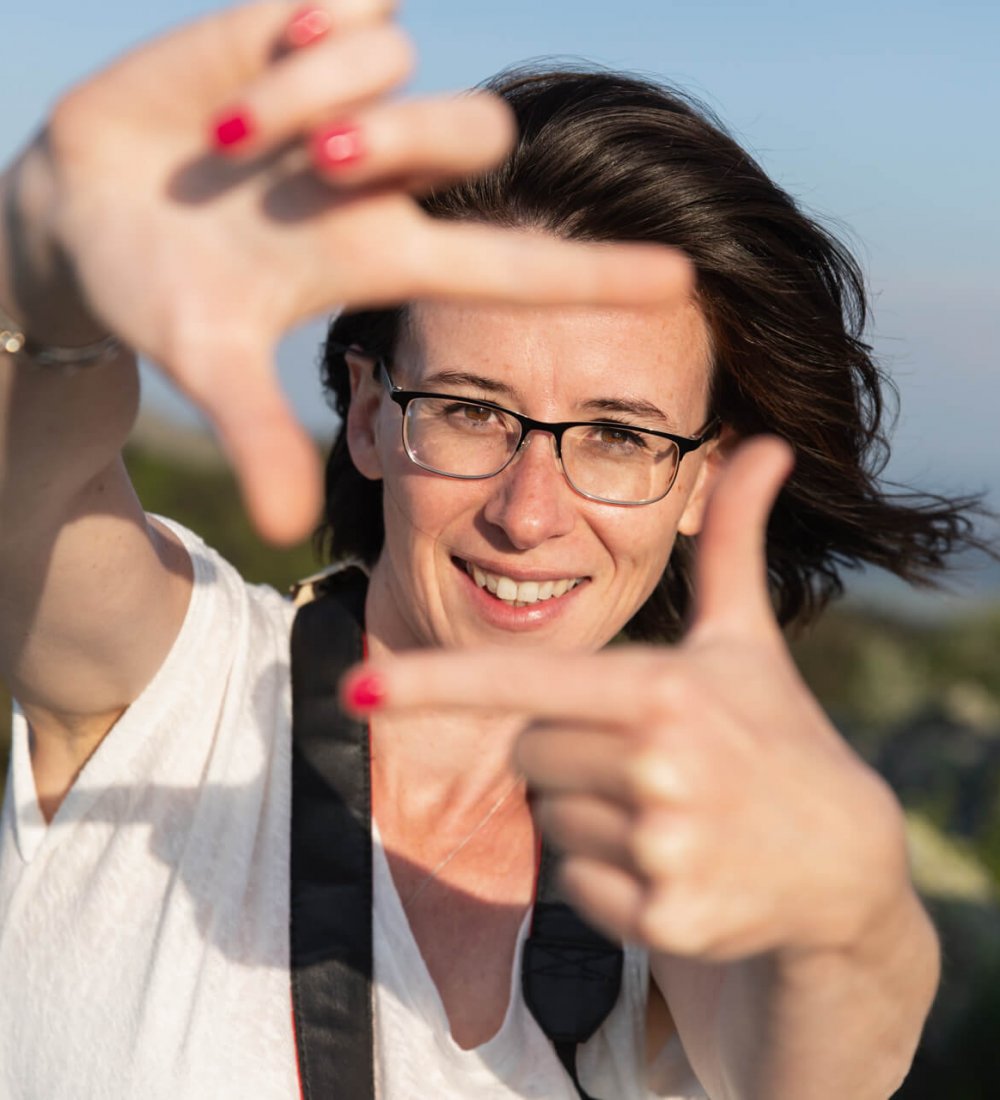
{"x": 880, "y": 116}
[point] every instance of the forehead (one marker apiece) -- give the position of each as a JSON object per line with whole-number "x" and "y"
{"x": 566, "y": 355}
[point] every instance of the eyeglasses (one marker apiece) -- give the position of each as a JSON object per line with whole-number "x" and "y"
{"x": 601, "y": 460}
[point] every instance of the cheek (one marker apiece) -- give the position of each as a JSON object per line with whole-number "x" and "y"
{"x": 640, "y": 541}
{"x": 419, "y": 503}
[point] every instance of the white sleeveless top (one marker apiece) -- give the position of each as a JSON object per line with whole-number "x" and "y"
{"x": 144, "y": 931}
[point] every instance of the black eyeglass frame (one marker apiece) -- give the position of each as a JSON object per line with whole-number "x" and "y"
{"x": 684, "y": 443}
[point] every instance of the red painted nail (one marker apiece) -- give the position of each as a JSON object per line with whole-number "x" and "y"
{"x": 232, "y": 129}
{"x": 307, "y": 24}
{"x": 366, "y": 693}
{"x": 337, "y": 147}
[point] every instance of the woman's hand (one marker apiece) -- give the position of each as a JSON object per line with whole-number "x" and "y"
{"x": 705, "y": 805}
{"x": 707, "y": 808}
{"x": 200, "y": 254}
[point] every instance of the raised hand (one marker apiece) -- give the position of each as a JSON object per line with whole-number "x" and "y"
{"x": 201, "y": 256}
{"x": 704, "y": 802}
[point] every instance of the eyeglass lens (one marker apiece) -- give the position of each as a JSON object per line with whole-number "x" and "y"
{"x": 462, "y": 439}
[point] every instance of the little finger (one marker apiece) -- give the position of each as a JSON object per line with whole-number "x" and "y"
{"x": 430, "y": 141}
{"x": 655, "y": 778}
{"x": 337, "y": 75}
{"x": 610, "y": 898}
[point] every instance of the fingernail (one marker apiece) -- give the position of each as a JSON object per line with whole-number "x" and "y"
{"x": 337, "y": 147}
{"x": 232, "y": 129}
{"x": 366, "y": 693}
{"x": 307, "y": 24}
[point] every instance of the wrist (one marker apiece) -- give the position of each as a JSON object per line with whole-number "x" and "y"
{"x": 901, "y": 938}
{"x": 39, "y": 291}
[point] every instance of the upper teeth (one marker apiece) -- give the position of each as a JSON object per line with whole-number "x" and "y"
{"x": 520, "y": 593}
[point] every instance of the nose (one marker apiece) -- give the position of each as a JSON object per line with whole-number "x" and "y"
{"x": 531, "y": 501}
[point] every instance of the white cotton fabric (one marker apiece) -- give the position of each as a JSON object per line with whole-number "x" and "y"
{"x": 417, "y": 1057}
{"x": 144, "y": 931}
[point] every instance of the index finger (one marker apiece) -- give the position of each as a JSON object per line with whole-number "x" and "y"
{"x": 617, "y": 687}
{"x": 489, "y": 263}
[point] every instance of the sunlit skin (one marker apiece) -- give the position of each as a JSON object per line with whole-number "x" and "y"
{"x": 527, "y": 522}
{"x": 704, "y": 806}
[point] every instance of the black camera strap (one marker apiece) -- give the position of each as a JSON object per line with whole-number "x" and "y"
{"x": 571, "y": 975}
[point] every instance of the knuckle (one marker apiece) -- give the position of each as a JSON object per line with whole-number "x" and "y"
{"x": 659, "y": 848}
{"x": 653, "y": 778}
{"x": 668, "y": 922}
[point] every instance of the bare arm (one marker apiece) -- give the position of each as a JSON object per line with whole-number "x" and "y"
{"x": 77, "y": 558}
{"x": 124, "y": 217}
{"x": 812, "y": 1025}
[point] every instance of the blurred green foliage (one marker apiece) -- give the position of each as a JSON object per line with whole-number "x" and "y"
{"x": 204, "y": 498}
{"x": 873, "y": 671}
{"x": 920, "y": 700}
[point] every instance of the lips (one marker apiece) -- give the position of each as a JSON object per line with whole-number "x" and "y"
{"x": 520, "y": 593}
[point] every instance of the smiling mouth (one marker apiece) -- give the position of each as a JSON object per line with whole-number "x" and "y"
{"x": 520, "y": 593}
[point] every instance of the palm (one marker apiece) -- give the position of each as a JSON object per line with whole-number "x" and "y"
{"x": 227, "y": 251}
{"x": 201, "y": 261}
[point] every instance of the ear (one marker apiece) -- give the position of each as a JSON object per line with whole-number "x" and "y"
{"x": 362, "y": 416}
{"x": 718, "y": 452}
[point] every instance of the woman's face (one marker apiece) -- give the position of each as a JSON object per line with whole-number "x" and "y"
{"x": 526, "y": 524}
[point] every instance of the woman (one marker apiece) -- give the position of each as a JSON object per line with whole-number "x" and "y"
{"x": 542, "y": 472}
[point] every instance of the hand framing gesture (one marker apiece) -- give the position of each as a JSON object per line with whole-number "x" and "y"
{"x": 705, "y": 805}
{"x": 200, "y": 256}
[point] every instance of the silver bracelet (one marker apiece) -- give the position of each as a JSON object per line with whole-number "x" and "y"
{"x": 14, "y": 342}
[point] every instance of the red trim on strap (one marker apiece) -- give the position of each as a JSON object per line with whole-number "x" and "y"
{"x": 538, "y": 872}
{"x": 295, "y": 1044}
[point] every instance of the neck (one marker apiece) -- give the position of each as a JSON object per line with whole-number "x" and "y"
{"x": 440, "y": 767}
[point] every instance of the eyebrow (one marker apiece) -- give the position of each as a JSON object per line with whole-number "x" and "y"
{"x": 628, "y": 406}
{"x": 631, "y": 406}
{"x": 467, "y": 378}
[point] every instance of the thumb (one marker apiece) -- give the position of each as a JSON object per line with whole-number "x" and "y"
{"x": 274, "y": 459}
{"x": 731, "y": 563}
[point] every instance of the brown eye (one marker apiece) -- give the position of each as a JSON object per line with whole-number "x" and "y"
{"x": 619, "y": 438}
{"x": 477, "y": 413}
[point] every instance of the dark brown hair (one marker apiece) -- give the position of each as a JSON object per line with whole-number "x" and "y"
{"x": 607, "y": 157}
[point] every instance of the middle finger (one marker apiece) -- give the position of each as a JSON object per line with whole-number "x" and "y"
{"x": 560, "y": 759}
